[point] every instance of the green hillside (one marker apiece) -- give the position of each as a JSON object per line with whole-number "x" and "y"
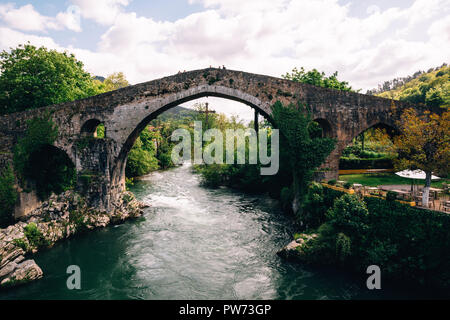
{"x": 431, "y": 88}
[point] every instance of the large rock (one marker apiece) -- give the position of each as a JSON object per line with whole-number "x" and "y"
{"x": 24, "y": 272}
{"x": 58, "y": 218}
{"x": 294, "y": 249}
{"x": 11, "y": 254}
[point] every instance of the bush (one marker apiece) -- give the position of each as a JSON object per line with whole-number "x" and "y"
{"x": 78, "y": 219}
{"x": 21, "y": 243}
{"x": 332, "y": 182}
{"x": 346, "y": 163}
{"x": 35, "y": 236}
{"x": 321, "y": 250}
{"x": 329, "y": 196}
{"x": 140, "y": 162}
{"x": 349, "y": 214}
{"x": 286, "y": 198}
{"x": 314, "y": 207}
{"x": 343, "y": 247}
{"x": 8, "y": 196}
{"x": 347, "y": 185}
{"x": 391, "y": 196}
{"x": 165, "y": 160}
{"x": 366, "y": 154}
{"x": 212, "y": 175}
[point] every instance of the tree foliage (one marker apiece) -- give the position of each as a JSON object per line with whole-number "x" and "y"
{"x": 140, "y": 160}
{"x": 306, "y": 149}
{"x": 32, "y": 77}
{"x": 424, "y": 143}
{"x": 317, "y": 78}
{"x": 114, "y": 81}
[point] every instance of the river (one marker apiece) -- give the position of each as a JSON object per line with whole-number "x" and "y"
{"x": 192, "y": 243}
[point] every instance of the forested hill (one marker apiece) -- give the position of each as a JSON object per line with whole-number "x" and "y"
{"x": 431, "y": 88}
{"x": 177, "y": 112}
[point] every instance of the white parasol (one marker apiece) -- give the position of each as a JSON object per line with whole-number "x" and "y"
{"x": 415, "y": 175}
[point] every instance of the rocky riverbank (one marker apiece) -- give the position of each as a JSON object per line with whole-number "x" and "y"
{"x": 60, "y": 217}
{"x": 295, "y": 249}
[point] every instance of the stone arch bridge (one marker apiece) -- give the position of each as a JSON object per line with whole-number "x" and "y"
{"x": 125, "y": 112}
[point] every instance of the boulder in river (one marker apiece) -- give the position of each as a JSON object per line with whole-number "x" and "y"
{"x": 19, "y": 273}
{"x": 294, "y": 249}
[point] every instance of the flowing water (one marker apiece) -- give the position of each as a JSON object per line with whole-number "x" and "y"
{"x": 192, "y": 243}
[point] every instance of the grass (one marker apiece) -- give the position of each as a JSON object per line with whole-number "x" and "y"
{"x": 376, "y": 179}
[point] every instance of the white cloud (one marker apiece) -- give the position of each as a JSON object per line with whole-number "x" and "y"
{"x": 439, "y": 33}
{"x": 425, "y": 9}
{"x": 268, "y": 37}
{"x": 130, "y": 31}
{"x": 103, "y": 12}
{"x": 10, "y": 38}
{"x": 26, "y": 18}
{"x": 70, "y": 19}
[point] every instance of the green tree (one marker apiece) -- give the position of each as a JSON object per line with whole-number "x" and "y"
{"x": 115, "y": 81}
{"x": 140, "y": 161}
{"x": 306, "y": 150}
{"x": 33, "y": 77}
{"x": 349, "y": 214}
{"x": 424, "y": 144}
{"x": 317, "y": 78}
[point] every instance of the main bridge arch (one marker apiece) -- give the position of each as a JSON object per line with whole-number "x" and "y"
{"x": 128, "y": 122}
{"x": 126, "y": 111}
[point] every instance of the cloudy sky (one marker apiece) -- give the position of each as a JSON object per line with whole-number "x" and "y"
{"x": 367, "y": 42}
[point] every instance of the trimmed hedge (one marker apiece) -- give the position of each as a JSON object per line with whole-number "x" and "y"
{"x": 408, "y": 243}
{"x": 370, "y": 163}
{"x": 421, "y": 239}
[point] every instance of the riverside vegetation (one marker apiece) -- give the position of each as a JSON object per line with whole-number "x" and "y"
{"x": 408, "y": 244}
{"x": 339, "y": 229}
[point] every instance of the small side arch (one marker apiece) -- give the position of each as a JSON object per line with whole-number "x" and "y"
{"x": 51, "y": 169}
{"x": 390, "y": 129}
{"x": 325, "y": 125}
{"x": 89, "y": 128}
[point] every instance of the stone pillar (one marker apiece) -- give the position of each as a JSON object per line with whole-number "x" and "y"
{"x": 26, "y": 203}
{"x": 94, "y": 161}
{"x": 329, "y": 170}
